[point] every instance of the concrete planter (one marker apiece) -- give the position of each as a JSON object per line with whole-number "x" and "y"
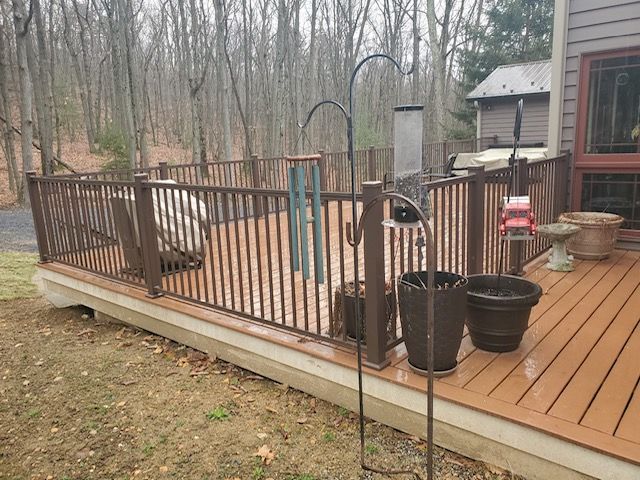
{"x": 597, "y": 237}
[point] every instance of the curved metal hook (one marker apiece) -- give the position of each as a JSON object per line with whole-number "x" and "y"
{"x": 422, "y": 218}
{"x": 318, "y": 105}
{"x": 377, "y": 55}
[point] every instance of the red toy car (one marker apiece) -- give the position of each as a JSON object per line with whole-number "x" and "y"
{"x": 517, "y": 221}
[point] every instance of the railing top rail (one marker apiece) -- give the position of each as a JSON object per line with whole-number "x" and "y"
{"x": 206, "y": 164}
{"x": 82, "y": 181}
{"x": 106, "y": 172}
{"x": 264, "y": 192}
{"x": 455, "y": 180}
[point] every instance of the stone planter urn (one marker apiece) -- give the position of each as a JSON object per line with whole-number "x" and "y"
{"x": 597, "y": 237}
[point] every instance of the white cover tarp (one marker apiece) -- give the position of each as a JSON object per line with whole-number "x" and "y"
{"x": 496, "y": 158}
{"x": 174, "y": 221}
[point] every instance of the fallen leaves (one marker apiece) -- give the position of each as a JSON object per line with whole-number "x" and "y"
{"x": 86, "y": 331}
{"x": 266, "y": 454}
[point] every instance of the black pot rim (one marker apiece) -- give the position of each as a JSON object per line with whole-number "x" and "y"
{"x": 405, "y": 285}
{"x": 529, "y": 299}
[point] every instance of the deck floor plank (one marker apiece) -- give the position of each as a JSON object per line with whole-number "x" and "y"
{"x": 612, "y": 399}
{"x": 599, "y": 306}
{"x": 550, "y": 384}
{"x": 576, "y": 397}
{"x": 628, "y": 427}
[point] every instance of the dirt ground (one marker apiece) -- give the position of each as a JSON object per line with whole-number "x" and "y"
{"x": 88, "y": 399}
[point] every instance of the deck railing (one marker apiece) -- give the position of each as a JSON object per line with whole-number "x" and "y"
{"x": 229, "y": 247}
{"x": 255, "y": 172}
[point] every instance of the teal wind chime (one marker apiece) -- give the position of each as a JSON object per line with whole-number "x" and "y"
{"x": 298, "y": 218}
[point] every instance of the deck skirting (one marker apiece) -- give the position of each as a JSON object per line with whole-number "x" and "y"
{"x": 308, "y": 366}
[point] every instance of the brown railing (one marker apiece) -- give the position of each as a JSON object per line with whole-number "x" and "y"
{"x": 229, "y": 247}
{"x": 371, "y": 164}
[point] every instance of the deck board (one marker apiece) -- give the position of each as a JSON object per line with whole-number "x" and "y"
{"x": 628, "y": 427}
{"x": 585, "y": 383}
{"x": 549, "y": 385}
{"x": 609, "y": 405}
{"x": 604, "y": 299}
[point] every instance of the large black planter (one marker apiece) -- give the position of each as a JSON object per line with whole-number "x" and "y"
{"x": 497, "y": 323}
{"x": 349, "y": 312}
{"x": 450, "y": 306}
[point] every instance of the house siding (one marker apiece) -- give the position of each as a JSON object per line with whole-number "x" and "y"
{"x": 498, "y": 116}
{"x": 593, "y": 26}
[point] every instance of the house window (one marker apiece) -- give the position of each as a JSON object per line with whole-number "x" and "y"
{"x": 613, "y": 193}
{"x": 613, "y": 121}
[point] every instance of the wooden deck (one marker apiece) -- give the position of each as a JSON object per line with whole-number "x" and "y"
{"x": 576, "y": 373}
{"x": 574, "y": 377}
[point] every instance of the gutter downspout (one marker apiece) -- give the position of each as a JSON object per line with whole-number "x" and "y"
{"x": 558, "y": 61}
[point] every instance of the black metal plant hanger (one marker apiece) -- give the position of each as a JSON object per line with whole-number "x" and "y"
{"x": 354, "y": 241}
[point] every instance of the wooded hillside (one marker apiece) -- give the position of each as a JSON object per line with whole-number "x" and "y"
{"x": 227, "y": 78}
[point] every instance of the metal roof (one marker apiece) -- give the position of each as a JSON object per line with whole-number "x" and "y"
{"x": 517, "y": 79}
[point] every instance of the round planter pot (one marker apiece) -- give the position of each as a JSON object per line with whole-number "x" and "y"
{"x": 349, "y": 311}
{"x": 497, "y": 322}
{"x": 597, "y": 237}
{"x": 450, "y": 298}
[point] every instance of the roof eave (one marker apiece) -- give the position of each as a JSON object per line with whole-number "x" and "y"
{"x": 493, "y": 97}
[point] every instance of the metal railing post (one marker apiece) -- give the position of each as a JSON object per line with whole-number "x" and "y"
{"x": 375, "y": 300}
{"x": 322, "y": 165}
{"x": 257, "y": 183}
{"x": 148, "y": 235}
{"x": 38, "y": 216}
{"x": 164, "y": 170}
{"x": 372, "y": 174}
{"x": 475, "y": 216}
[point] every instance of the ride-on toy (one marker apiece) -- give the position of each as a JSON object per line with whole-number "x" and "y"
{"x": 517, "y": 221}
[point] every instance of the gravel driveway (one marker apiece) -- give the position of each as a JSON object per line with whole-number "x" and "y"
{"x": 16, "y": 231}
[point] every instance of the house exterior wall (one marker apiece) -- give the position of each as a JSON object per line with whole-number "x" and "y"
{"x": 497, "y": 117}
{"x": 584, "y": 26}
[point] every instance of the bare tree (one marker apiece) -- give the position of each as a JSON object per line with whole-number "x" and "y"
{"x": 5, "y": 111}
{"x": 21, "y": 21}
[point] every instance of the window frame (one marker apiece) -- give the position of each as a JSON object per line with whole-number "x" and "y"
{"x": 598, "y": 160}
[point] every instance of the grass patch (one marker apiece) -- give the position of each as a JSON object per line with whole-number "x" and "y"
{"x": 35, "y": 413}
{"x": 328, "y": 436}
{"x": 16, "y": 271}
{"x": 258, "y": 473}
{"x": 371, "y": 449}
{"x": 218, "y": 413}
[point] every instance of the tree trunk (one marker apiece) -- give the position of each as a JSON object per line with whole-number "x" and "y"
{"x": 415, "y": 80}
{"x": 21, "y": 27}
{"x": 439, "y": 70}
{"x": 221, "y": 80}
{"x": 5, "y": 111}
{"x": 46, "y": 96}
